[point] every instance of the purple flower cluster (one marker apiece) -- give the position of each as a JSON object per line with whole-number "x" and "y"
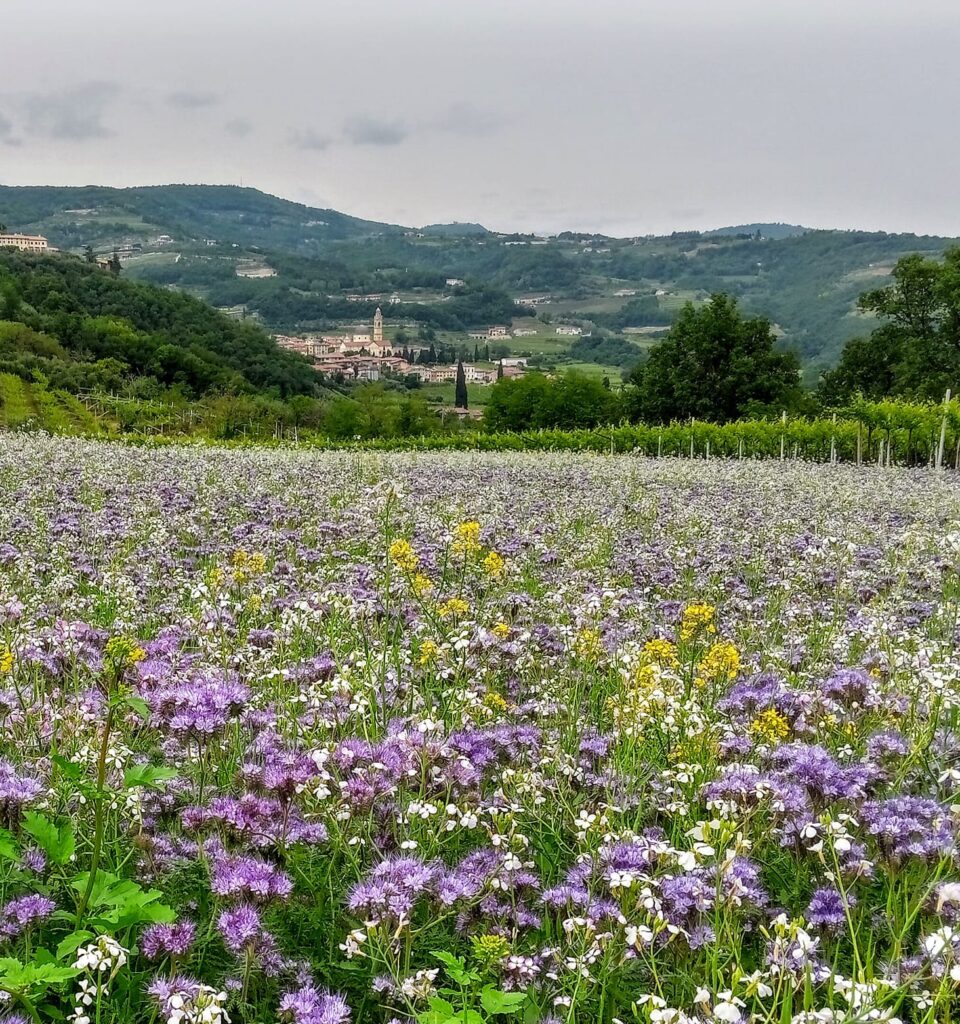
{"x": 310, "y": 1005}
{"x": 173, "y": 940}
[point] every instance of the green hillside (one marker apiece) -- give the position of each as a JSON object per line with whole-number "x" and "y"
{"x": 297, "y": 268}
{"x": 79, "y": 326}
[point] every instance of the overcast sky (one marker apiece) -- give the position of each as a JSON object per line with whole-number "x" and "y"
{"x": 623, "y": 116}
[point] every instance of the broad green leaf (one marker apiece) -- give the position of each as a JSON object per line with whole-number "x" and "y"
{"x": 8, "y": 845}
{"x": 69, "y": 945}
{"x": 57, "y": 843}
{"x": 139, "y": 705}
{"x": 148, "y": 775}
{"x": 495, "y": 1001}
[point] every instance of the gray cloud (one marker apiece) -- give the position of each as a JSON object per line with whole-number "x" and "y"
{"x": 467, "y": 120}
{"x": 372, "y": 131}
{"x": 188, "y": 99}
{"x": 238, "y": 127}
{"x": 307, "y": 138}
{"x": 74, "y": 115}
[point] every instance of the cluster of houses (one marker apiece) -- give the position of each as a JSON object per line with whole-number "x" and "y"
{"x": 370, "y": 357}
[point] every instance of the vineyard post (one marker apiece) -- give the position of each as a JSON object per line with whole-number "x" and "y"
{"x": 783, "y": 434}
{"x": 859, "y": 448}
{"x": 833, "y": 442}
{"x": 659, "y": 444}
{"x": 740, "y": 450}
{"x": 708, "y": 449}
{"x": 943, "y": 430}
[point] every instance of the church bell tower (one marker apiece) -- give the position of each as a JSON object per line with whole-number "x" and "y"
{"x": 378, "y": 327}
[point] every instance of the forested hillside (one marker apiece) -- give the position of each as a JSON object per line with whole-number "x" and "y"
{"x": 82, "y": 327}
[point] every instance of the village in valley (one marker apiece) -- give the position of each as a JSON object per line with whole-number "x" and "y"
{"x": 368, "y": 355}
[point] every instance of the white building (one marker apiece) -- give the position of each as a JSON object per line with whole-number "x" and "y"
{"x": 26, "y": 243}
{"x": 568, "y": 329}
{"x": 455, "y": 282}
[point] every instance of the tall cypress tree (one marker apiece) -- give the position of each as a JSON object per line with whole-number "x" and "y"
{"x": 460, "y": 393}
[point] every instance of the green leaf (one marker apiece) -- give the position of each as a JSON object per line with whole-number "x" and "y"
{"x": 495, "y": 1001}
{"x": 447, "y": 959}
{"x": 139, "y": 705}
{"x": 455, "y": 967}
{"x": 69, "y": 768}
{"x": 69, "y": 945}
{"x": 148, "y": 775}
{"x": 439, "y": 1013}
{"x": 8, "y": 846}
{"x": 57, "y": 843}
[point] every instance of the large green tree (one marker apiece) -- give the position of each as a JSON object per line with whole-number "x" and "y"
{"x": 915, "y": 352}
{"x": 714, "y": 364}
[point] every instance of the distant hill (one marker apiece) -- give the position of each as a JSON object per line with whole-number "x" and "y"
{"x": 454, "y": 230}
{"x": 226, "y": 214}
{"x": 317, "y": 269}
{"x": 766, "y": 230}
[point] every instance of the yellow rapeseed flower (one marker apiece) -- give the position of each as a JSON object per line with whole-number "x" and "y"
{"x": 257, "y": 562}
{"x": 6, "y": 661}
{"x": 214, "y": 577}
{"x": 646, "y": 678}
{"x": 403, "y": 555}
{"x": 697, "y": 618}
{"x": 494, "y": 565}
{"x": 428, "y": 652}
{"x": 239, "y": 558}
{"x": 466, "y": 538}
{"x": 770, "y": 726}
{"x": 661, "y": 651}
{"x": 122, "y": 650}
{"x": 588, "y": 644}
{"x": 495, "y": 701}
{"x": 421, "y": 584}
{"x": 721, "y": 663}
{"x": 489, "y": 949}
{"x": 501, "y": 631}
{"x": 456, "y": 607}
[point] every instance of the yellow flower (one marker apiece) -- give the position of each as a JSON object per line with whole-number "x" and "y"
{"x": 494, "y": 565}
{"x": 501, "y": 631}
{"x": 770, "y": 726}
{"x": 661, "y": 651}
{"x": 421, "y": 584}
{"x": 489, "y": 949}
{"x": 587, "y": 644}
{"x": 123, "y": 651}
{"x": 403, "y": 555}
{"x": 495, "y": 701}
{"x": 721, "y": 663}
{"x": 466, "y": 538}
{"x": 239, "y": 558}
{"x": 646, "y": 678}
{"x": 428, "y": 652}
{"x": 257, "y": 562}
{"x": 215, "y": 577}
{"x": 697, "y": 618}
{"x": 6, "y": 661}
{"x": 454, "y": 608}
{"x": 238, "y": 575}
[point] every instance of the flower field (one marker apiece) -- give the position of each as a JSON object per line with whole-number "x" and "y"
{"x": 316, "y": 737}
